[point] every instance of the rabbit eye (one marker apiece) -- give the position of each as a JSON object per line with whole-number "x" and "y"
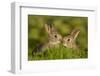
{"x": 55, "y": 36}
{"x": 68, "y": 40}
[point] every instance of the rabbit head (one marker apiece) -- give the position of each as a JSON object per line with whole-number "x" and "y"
{"x": 53, "y": 35}
{"x": 54, "y": 39}
{"x": 70, "y": 40}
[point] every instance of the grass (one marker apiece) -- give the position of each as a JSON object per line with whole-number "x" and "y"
{"x": 58, "y": 53}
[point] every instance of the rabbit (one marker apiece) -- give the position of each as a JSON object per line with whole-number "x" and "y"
{"x": 70, "y": 40}
{"x": 54, "y": 39}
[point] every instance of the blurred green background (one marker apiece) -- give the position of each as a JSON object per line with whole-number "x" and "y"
{"x": 64, "y": 25}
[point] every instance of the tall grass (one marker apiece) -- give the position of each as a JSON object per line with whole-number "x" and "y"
{"x": 58, "y": 53}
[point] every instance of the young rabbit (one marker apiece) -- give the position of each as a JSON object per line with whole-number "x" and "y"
{"x": 70, "y": 40}
{"x": 54, "y": 39}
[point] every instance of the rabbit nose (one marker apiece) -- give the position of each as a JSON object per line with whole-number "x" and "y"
{"x": 61, "y": 41}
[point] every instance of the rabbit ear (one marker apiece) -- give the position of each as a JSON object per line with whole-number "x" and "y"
{"x": 75, "y": 33}
{"x": 49, "y": 28}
